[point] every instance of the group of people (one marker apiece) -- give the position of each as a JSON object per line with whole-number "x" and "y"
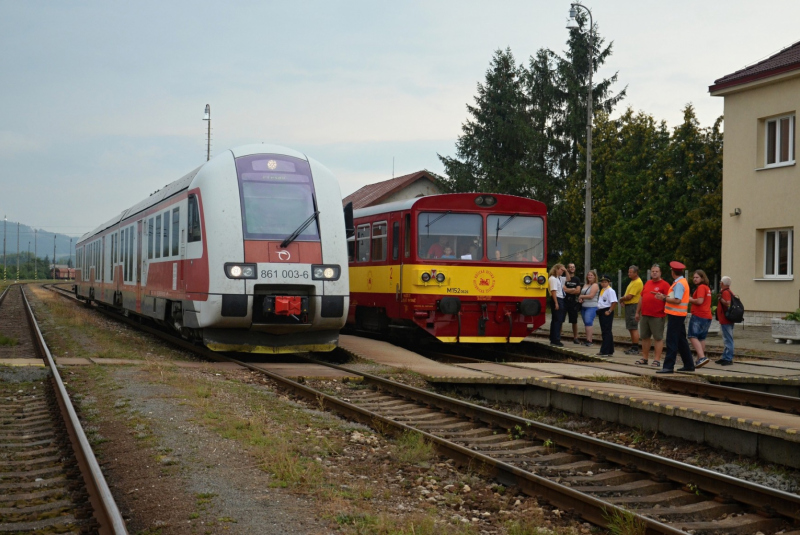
{"x": 649, "y": 307}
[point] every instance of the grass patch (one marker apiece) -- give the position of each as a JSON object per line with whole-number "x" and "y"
{"x": 8, "y": 341}
{"x": 414, "y": 449}
{"x": 624, "y": 523}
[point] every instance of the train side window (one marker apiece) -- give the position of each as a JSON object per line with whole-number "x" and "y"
{"x": 379, "y": 238}
{"x": 123, "y": 255}
{"x": 165, "y": 251}
{"x": 150, "y": 238}
{"x": 407, "y": 240}
{"x": 176, "y": 226}
{"x": 395, "y": 240}
{"x": 362, "y": 243}
{"x": 130, "y": 253}
{"x": 113, "y": 250}
{"x": 158, "y": 236}
{"x": 194, "y": 220}
{"x": 351, "y": 249}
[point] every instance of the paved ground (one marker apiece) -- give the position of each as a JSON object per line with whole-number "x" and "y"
{"x": 752, "y": 338}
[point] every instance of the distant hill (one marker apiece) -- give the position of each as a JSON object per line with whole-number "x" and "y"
{"x": 43, "y": 241}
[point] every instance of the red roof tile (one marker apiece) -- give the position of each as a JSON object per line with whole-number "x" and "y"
{"x": 373, "y": 194}
{"x": 786, "y": 60}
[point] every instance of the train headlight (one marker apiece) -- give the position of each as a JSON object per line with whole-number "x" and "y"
{"x": 440, "y": 278}
{"x": 325, "y": 272}
{"x": 240, "y": 271}
{"x": 527, "y": 280}
{"x": 426, "y": 277}
{"x": 541, "y": 279}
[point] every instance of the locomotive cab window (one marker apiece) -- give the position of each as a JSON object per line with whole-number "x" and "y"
{"x": 277, "y": 195}
{"x": 515, "y": 238}
{"x": 448, "y": 235}
{"x": 193, "y": 233}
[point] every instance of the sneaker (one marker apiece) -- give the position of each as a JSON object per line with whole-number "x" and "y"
{"x": 664, "y": 371}
{"x": 588, "y": 344}
{"x": 633, "y": 350}
{"x": 557, "y": 344}
{"x": 685, "y": 369}
{"x": 700, "y": 363}
{"x": 605, "y": 354}
{"x": 723, "y": 362}
{"x": 576, "y": 341}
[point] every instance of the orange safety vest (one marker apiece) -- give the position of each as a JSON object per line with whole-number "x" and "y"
{"x": 683, "y": 308}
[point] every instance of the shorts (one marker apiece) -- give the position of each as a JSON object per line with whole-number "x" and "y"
{"x": 572, "y": 307}
{"x": 650, "y": 326}
{"x": 698, "y": 328}
{"x": 630, "y": 317}
{"x": 588, "y": 314}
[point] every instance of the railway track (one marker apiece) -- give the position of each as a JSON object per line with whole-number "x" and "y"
{"x": 601, "y": 482}
{"x": 49, "y": 478}
{"x": 741, "y": 396}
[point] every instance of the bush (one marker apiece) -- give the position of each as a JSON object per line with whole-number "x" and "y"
{"x": 793, "y": 316}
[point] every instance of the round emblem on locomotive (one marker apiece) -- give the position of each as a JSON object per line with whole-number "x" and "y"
{"x": 484, "y": 281}
{"x": 284, "y": 255}
{"x": 272, "y": 164}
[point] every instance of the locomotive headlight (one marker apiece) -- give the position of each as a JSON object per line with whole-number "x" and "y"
{"x": 327, "y": 273}
{"x": 541, "y": 279}
{"x": 426, "y": 277}
{"x": 240, "y": 271}
{"x": 440, "y": 278}
{"x": 527, "y": 280}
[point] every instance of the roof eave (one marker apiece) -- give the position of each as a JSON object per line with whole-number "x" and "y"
{"x": 753, "y": 80}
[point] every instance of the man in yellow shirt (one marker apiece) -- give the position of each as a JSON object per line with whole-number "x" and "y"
{"x": 630, "y": 301}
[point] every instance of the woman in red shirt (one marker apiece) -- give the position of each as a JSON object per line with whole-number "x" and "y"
{"x": 701, "y": 317}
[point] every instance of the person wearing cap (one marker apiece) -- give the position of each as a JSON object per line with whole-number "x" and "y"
{"x": 605, "y": 311}
{"x": 676, "y": 306}
{"x": 556, "y": 304}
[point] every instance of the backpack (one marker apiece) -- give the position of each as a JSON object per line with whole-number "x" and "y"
{"x": 735, "y": 312}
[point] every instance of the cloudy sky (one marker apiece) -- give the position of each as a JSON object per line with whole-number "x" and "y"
{"x": 101, "y": 103}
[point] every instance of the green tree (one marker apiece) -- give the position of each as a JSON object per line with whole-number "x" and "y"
{"x": 491, "y": 153}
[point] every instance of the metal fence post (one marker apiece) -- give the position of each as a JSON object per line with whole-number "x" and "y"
{"x": 619, "y": 291}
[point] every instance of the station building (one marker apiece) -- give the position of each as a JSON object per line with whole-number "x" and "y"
{"x": 761, "y": 184}
{"x": 401, "y": 188}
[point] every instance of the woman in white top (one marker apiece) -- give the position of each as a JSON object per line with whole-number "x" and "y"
{"x": 605, "y": 311}
{"x": 588, "y": 300}
{"x": 557, "y": 307}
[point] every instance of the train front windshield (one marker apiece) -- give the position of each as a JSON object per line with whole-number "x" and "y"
{"x": 277, "y": 194}
{"x": 515, "y": 238}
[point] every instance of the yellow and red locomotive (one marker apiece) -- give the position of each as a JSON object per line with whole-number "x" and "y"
{"x": 465, "y": 267}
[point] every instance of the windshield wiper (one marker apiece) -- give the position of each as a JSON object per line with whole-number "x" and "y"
{"x": 501, "y": 227}
{"x": 428, "y": 226}
{"x": 293, "y": 236}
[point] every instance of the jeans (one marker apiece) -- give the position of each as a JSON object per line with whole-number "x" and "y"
{"x": 727, "y": 336}
{"x": 606, "y": 324}
{"x": 677, "y": 342}
{"x": 556, "y": 320}
{"x": 589, "y": 314}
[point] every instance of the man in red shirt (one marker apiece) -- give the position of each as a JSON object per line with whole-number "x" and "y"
{"x": 650, "y": 315}
{"x": 723, "y": 302}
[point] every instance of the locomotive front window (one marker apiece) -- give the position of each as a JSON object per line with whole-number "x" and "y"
{"x": 515, "y": 238}
{"x": 447, "y": 235}
{"x": 277, "y": 194}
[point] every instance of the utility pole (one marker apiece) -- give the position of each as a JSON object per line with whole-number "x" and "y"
{"x": 54, "y": 257}
{"x": 35, "y": 255}
{"x": 207, "y": 117}
{"x": 5, "y": 220}
{"x": 17, "y": 252}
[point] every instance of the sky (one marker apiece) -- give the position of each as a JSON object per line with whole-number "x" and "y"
{"x": 101, "y": 103}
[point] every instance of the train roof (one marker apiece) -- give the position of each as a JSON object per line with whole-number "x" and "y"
{"x": 408, "y": 204}
{"x": 183, "y": 183}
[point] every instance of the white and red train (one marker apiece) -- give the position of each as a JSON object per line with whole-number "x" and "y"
{"x": 245, "y": 253}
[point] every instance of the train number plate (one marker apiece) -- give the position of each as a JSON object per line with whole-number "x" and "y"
{"x": 302, "y": 274}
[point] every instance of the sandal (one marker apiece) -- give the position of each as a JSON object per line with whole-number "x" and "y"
{"x": 641, "y": 362}
{"x": 656, "y": 364}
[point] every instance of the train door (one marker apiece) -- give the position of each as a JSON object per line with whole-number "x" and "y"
{"x": 395, "y": 263}
{"x": 138, "y": 263}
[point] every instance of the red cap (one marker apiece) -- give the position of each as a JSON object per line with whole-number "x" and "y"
{"x": 676, "y": 265}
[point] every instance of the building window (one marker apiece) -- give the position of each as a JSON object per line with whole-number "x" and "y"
{"x": 780, "y": 141}
{"x": 778, "y": 253}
